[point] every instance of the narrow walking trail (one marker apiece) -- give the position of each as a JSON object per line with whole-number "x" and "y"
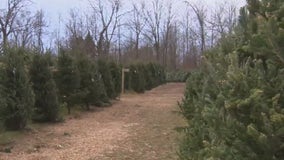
{"x": 137, "y": 127}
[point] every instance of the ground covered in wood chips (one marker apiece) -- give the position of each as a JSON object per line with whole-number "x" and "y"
{"x": 136, "y": 127}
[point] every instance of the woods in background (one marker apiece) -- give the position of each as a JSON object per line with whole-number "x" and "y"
{"x": 150, "y": 31}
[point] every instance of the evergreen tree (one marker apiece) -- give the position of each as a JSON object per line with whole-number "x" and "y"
{"x": 46, "y": 102}
{"x": 148, "y": 77}
{"x": 107, "y": 78}
{"x": 90, "y": 46}
{"x": 137, "y": 78}
{"x": 92, "y": 89}
{"x": 68, "y": 80}
{"x": 2, "y": 93}
{"x": 115, "y": 71}
{"x": 153, "y": 75}
{"x": 19, "y": 96}
{"x": 234, "y": 102}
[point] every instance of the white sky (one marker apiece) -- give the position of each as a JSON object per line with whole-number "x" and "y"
{"x": 53, "y": 8}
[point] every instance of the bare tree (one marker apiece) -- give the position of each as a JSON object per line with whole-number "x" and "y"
{"x": 75, "y": 26}
{"x": 76, "y": 31}
{"x": 136, "y": 24}
{"x": 39, "y": 26}
{"x": 29, "y": 30}
{"x": 168, "y": 29}
{"x": 153, "y": 18}
{"x": 23, "y": 33}
{"x": 223, "y": 21}
{"x": 106, "y": 24}
{"x": 200, "y": 13}
{"x": 189, "y": 41}
{"x": 8, "y": 18}
{"x": 172, "y": 46}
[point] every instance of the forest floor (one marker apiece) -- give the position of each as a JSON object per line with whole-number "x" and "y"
{"x": 136, "y": 127}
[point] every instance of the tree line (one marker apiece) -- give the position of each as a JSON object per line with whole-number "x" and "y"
{"x": 147, "y": 31}
{"x": 38, "y": 87}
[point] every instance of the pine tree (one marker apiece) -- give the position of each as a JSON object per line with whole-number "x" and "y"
{"x": 18, "y": 92}
{"x": 137, "y": 78}
{"x": 68, "y": 80}
{"x": 92, "y": 89}
{"x": 2, "y": 93}
{"x": 90, "y": 46}
{"x": 46, "y": 102}
{"x": 115, "y": 71}
{"x": 148, "y": 77}
{"x": 234, "y": 102}
{"x": 107, "y": 78}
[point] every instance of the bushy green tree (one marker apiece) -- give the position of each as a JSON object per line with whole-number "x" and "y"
{"x": 161, "y": 74}
{"x": 2, "y": 89}
{"x": 105, "y": 72}
{"x": 44, "y": 87}
{"x": 177, "y": 76}
{"x": 152, "y": 71}
{"x": 137, "y": 78}
{"x": 67, "y": 79}
{"x": 234, "y": 102}
{"x": 115, "y": 71}
{"x": 19, "y": 96}
{"x": 144, "y": 77}
{"x": 148, "y": 76}
{"x": 92, "y": 90}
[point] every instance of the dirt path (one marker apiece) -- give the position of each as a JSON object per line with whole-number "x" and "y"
{"x": 138, "y": 127}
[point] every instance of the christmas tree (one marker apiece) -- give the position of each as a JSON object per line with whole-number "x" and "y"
{"x": 18, "y": 93}
{"x": 44, "y": 87}
{"x": 234, "y": 102}
{"x": 68, "y": 80}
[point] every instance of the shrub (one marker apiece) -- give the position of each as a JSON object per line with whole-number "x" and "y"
{"x": 19, "y": 96}
{"x": 43, "y": 84}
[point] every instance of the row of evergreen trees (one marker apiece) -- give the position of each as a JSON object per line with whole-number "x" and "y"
{"x": 177, "y": 76}
{"x": 234, "y": 103}
{"x": 143, "y": 77}
{"x": 33, "y": 86}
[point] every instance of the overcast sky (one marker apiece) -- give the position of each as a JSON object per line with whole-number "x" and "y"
{"x": 53, "y": 8}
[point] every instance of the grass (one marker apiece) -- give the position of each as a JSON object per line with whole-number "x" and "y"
{"x": 8, "y": 137}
